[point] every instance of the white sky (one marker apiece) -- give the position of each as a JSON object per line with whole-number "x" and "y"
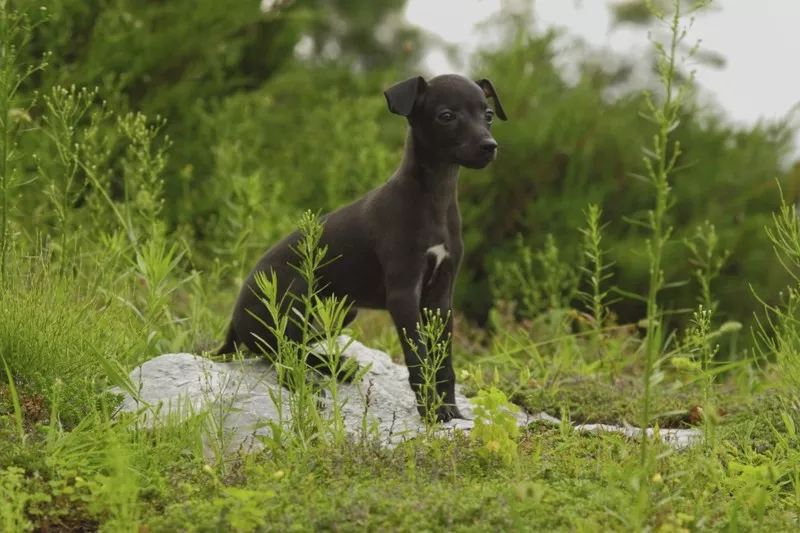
{"x": 759, "y": 41}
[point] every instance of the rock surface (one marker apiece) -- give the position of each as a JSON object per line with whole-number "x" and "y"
{"x": 240, "y": 396}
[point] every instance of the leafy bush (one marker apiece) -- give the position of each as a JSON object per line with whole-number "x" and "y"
{"x": 262, "y": 137}
{"x": 305, "y": 140}
{"x": 177, "y": 60}
{"x": 567, "y": 146}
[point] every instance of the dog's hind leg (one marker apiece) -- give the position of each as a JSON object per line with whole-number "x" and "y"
{"x": 229, "y": 346}
{"x": 345, "y": 368}
{"x": 344, "y": 371}
{"x": 349, "y": 317}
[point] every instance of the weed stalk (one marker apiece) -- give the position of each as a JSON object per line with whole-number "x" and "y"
{"x": 15, "y": 32}
{"x": 660, "y": 163}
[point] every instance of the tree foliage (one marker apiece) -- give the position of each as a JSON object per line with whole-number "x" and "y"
{"x": 255, "y": 134}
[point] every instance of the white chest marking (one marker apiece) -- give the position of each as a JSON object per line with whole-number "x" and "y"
{"x": 440, "y": 253}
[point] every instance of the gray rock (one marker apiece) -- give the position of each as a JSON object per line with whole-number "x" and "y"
{"x": 242, "y": 397}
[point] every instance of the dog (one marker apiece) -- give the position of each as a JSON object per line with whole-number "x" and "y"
{"x": 399, "y": 247}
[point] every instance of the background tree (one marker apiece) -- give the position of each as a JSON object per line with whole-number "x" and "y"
{"x": 569, "y": 145}
{"x": 273, "y": 111}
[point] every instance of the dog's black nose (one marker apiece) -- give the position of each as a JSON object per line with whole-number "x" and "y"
{"x": 488, "y": 145}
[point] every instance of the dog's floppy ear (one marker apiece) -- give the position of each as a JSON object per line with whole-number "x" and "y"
{"x": 488, "y": 90}
{"x": 401, "y": 96}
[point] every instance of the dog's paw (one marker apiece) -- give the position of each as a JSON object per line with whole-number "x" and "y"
{"x": 446, "y": 413}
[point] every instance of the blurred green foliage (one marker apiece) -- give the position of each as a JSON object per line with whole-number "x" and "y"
{"x": 567, "y": 146}
{"x": 179, "y": 60}
{"x": 257, "y": 134}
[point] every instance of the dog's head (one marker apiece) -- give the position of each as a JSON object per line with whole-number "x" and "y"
{"x": 450, "y": 116}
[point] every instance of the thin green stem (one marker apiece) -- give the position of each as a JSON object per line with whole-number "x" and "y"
{"x": 4, "y": 157}
{"x": 656, "y": 246}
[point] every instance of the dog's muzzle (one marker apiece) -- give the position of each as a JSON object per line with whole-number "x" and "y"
{"x": 489, "y": 149}
{"x": 489, "y": 146}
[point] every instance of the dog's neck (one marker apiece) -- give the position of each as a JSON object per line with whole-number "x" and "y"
{"x": 437, "y": 179}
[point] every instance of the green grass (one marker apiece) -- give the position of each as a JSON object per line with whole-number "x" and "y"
{"x": 560, "y": 480}
{"x": 57, "y": 333}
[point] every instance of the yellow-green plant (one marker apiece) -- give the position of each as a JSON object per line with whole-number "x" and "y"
{"x": 495, "y": 424}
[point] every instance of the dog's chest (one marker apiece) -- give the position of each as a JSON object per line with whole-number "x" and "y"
{"x": 437, "y": 258}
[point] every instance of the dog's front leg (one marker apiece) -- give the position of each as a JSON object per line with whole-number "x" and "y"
{"x": 439, "y": 298}
{"x": 445, "y": 374}
{"x": 403, "y": 305}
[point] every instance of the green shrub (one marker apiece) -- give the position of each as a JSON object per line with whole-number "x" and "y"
{"x": 177, "y": 60}
{"x": 305, "y": 140}
{"x": 257, "y": 137}
{"x": 567, "y": 146}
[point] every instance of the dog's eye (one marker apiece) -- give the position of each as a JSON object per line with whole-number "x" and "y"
{"x": 489, "y": 116}
{"x": 446, "y": 116}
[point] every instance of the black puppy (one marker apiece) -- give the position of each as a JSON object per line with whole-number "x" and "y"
{"x": 399, "y": 246}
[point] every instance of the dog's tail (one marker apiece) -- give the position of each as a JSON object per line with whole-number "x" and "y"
{"x": 229, "y": 346}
